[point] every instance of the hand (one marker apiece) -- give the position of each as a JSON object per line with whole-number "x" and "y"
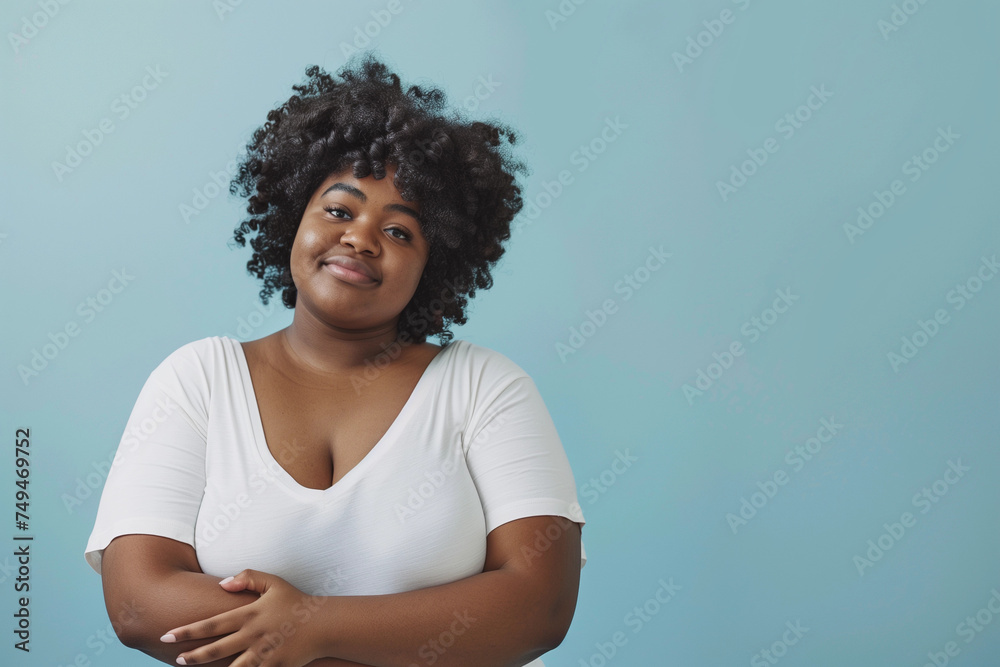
{"x": 260, "y": 630}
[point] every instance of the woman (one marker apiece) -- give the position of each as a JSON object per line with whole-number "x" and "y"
{"x": 343, "y": 492}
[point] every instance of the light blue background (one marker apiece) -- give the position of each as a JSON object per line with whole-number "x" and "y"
{"x": 665, "y": 517}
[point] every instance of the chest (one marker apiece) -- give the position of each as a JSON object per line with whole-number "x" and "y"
{"x": 319, "y": 430}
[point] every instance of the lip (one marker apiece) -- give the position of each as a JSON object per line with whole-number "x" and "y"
{"x": 350, "y": 270}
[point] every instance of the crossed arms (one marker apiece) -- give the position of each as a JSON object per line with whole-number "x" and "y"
{"x": 518, "y": 608}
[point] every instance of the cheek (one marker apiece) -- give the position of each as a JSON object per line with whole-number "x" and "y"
{"x": 417, "y": 272}
{"x": 306, "y": 245}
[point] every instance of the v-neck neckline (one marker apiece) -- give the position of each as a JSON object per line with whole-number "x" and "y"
{"x": 355, "y": 473}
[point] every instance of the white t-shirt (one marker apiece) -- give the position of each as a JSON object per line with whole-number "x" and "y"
{"x": 474, "y": 447}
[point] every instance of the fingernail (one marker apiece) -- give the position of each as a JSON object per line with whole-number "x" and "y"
{"x": 168, "y": 638}
{"x": 226, "y": 580}
{"x": 180, "y": 660}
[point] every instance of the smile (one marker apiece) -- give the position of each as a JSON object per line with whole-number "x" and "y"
{"x": 348, "y": 275}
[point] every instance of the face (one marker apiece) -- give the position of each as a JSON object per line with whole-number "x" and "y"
{"x": 359, "y": 252}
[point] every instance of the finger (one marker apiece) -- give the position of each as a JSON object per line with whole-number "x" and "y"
{"x": 263, "y": 651}
{"x": 221, "y": 624}
{"x": 251, "y": 580}
{"x": 251, "y": 657}
{"x": 221, "y": 648}
{"x": 233, "y": 584}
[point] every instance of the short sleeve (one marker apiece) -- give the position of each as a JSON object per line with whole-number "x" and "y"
{"x": 517, "y": 460}
{"x": 157, "y": 480}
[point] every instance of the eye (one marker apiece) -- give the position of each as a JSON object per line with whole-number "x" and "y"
{"x": 336, "y": 209}
{"x": 404, "y": 235}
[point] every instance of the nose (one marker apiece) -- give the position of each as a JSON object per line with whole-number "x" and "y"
{"x": 361, "y": 236}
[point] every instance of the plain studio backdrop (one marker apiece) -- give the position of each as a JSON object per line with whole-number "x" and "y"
{"x": 755, "y": 280}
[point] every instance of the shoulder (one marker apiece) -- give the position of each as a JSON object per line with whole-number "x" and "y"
{"x": 480, "y": 378}
{"x": 198, "y": 354}
{"x": 194, "y": 377}
{"x": 188, "y": 373}
{"x": 470, "y": 360}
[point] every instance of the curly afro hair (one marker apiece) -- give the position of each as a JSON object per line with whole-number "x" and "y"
{"x": 461, "y": 172}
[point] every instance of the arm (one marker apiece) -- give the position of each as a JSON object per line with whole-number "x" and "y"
{"x": 158, "y": 583}
{"x": 518, "y": 608}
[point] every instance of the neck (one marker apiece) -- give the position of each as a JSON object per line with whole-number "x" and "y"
{"x": 318, "y": 347}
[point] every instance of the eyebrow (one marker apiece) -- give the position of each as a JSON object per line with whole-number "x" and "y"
{"x": 354, "y": 192}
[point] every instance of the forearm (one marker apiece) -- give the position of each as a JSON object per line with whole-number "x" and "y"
{"x": 492, "y": 619}
{"x": 153, "y": 584}
{"x": 164, "y": 599}
{"x": 175, "y": 598}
